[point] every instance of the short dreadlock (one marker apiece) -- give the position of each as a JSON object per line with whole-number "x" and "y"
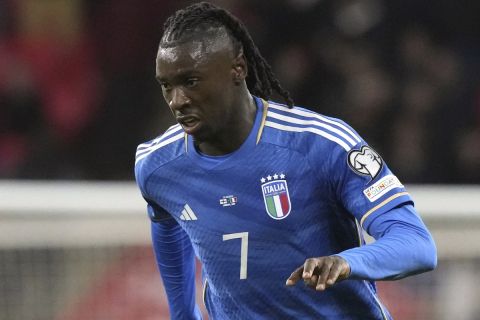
{"x": 260, "y": 79}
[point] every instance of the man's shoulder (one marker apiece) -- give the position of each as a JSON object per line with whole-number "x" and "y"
{"x": 157, "y": 152}
{"x": 301, "y": 129}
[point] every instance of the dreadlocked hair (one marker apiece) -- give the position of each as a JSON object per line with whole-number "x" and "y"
{"x": 260, "y": 78}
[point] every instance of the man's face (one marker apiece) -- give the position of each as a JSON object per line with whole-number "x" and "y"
{"x": 197, "y": 79}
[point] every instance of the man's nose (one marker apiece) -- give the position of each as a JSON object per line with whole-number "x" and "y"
{"x": 178, "y": 99}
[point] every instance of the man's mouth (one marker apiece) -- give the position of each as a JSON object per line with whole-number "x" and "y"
{"x": 186, "y": 119}
{"x": 189, "y": 123}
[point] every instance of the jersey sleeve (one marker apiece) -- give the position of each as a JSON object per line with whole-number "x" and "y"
{"x": 155, "y": 212}
{"x": 404, "y": 247}
{"x": 175, "y": 260}
{"x": 173, "y": 253}
{"x": 363, "y": 183}
{"x": 360, "y": 182}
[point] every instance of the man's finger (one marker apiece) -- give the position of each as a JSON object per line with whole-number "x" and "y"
{"x": 308, "y": 268}
{"x": 311, "y": 282}
{"x": 335, "y": 271}
{"x": 295, "y": 276}
{"x": 324, "y": 273}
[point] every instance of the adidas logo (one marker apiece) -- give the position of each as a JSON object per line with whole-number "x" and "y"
{"x": 187, "y": 213}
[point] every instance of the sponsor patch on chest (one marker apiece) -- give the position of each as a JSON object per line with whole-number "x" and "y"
{"x": 228, "y": 201}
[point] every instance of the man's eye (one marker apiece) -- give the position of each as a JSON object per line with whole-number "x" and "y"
{"x": 192, "y": 82}
{"x": 165, "y": 86}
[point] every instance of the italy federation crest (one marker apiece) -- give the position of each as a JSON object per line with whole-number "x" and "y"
{"x": 276, "y": 196}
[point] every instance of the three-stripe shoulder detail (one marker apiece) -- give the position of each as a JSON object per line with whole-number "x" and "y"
{"x": 173, "y": 134}
{"x": 300, "y": 120}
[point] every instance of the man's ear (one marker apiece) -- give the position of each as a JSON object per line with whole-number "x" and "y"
{"x": 239, "y": 68}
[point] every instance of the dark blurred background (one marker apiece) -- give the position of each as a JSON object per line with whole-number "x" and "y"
{"x": 78, "y": 94}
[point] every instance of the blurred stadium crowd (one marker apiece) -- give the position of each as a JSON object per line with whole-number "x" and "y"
{"x": 77, "y": 87}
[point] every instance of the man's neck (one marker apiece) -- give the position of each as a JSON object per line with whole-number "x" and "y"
{"x": 235, "y": 133}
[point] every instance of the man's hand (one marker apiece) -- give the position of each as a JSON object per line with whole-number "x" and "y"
{"x": 321, "y": 273}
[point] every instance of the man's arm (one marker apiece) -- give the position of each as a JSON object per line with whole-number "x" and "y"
{"x": 404, "y": 247}
{"x": 175, "y": 260}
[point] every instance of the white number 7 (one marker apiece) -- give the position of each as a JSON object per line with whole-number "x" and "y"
{"x": 243, "y": 252}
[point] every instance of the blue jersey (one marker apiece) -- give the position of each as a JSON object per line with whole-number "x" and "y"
{"x": 299, "y": 187}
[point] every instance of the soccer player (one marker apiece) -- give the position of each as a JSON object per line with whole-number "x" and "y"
{"x": 266, "y": 195}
